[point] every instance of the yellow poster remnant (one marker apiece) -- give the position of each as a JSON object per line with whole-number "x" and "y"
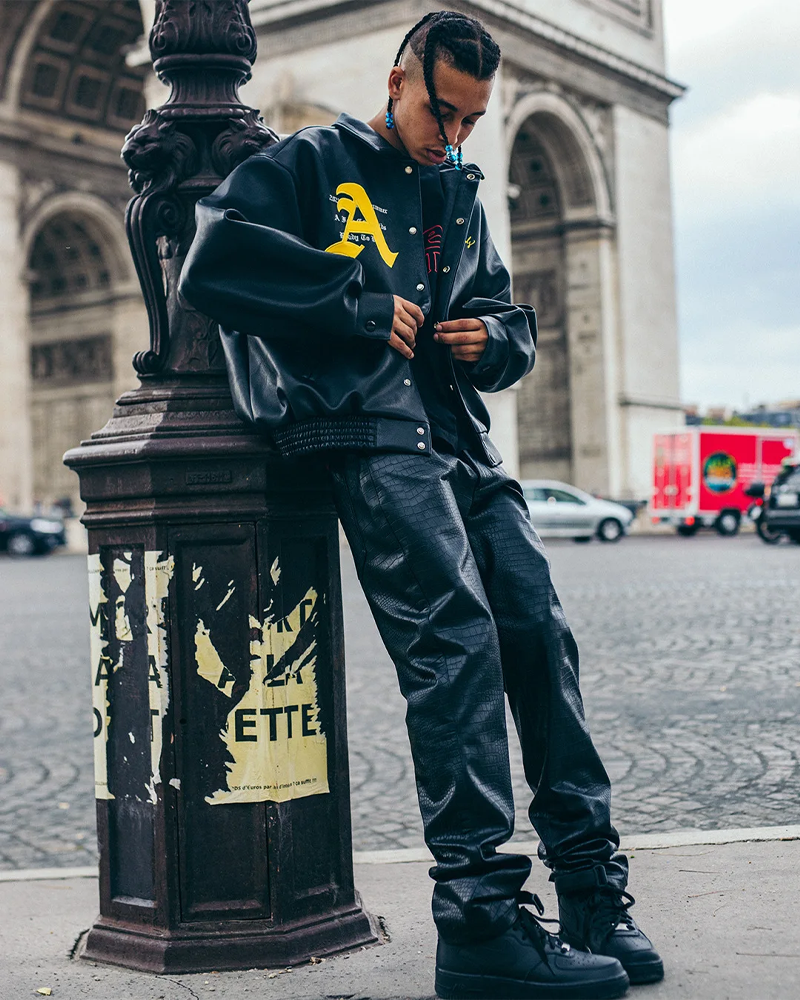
{"x": 158, "y": 572}
{"x": 273, "y": 732}
{"x": 209, "y": 665}
{"x": 101, "y": 672}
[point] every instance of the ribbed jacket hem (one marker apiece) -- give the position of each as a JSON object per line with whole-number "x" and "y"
{"x": 353, "y": 433}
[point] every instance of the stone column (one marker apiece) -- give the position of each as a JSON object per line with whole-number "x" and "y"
{"x": 649, "y": 392}
{"x": 487, "y": 147}
{"x": 16, "y": 464}
{"x": 591, "y": 319}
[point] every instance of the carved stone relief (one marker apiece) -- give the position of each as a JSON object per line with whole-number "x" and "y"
{"x": 72, "y": 362}
{"x": 543, "y": 290}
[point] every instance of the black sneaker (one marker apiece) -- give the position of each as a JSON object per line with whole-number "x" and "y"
{"x": 599, "y": 921}
{"x": 525, "y": 963}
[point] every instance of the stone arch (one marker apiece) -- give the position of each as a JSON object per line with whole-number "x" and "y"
{"x": 80, "y": 291}
{"x": 103, "y": 221}
{"x": 67, "y": 260}
{"x": 576, "y": 159}
{"x": 19, "y": 42}
{"x": 561, "y": 216}
{"x": 69, "y": 61}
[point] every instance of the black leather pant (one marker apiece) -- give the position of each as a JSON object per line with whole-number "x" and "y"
{"x": 459, "y": 585}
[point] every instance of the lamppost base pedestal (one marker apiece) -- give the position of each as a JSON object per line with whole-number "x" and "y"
{"x": 218, "y": 946}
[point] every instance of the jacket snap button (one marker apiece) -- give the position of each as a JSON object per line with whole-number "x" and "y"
{"x": 409, "y": 170}
{"x": 420, "y": 287}
{"x": 406, "y": 381}
{"x": 420, "y": 430}
{"x": 446, "y": 269}
{"x": 470, "y": 177}
{"x": 459, "y": 222}
{"x": 370, "y": 324}
{"x": 413, "y": 230}
{"x": 421, "y": 446}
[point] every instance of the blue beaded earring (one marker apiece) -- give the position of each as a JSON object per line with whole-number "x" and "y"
{"x": 389, "y": 119}
{"x": 456, "y": 158}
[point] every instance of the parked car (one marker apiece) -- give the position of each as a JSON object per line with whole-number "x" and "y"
{"x": 779, "y": 511}
{"x": 29, "y": 536}
{"x": 559, "y": 510}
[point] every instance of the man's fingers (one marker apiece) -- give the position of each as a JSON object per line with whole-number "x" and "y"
{"x": 406, "y": 329}
{"x": 405, "y": 313}
{"x": 413, "y": 311}
{"x": 466, "y": 354}
{"x": 400, "y": 345}
{"x": 455, "y": 325}
{"x": 466, "y": 337}
{"x": 416, "y": 312}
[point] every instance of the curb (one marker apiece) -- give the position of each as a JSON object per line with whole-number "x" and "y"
{"x": 633, "y": 842}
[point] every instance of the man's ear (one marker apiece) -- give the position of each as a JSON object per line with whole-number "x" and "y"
{"x": 397, "y": 80}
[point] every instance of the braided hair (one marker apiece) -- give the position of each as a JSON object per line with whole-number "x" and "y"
{"x": 462, "y": 41}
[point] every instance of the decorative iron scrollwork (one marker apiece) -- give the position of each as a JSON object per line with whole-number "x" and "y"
{"x": 159, "y": 157}
{"x": 244, "y": 137}
{"x": 203, "y": 26}
{"x": 183, "y": 148}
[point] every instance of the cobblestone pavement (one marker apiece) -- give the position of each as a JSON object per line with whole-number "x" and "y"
{"x": 690, "y": 671}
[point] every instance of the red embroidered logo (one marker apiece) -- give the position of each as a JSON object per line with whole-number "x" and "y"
{"x": 433, "y": 247}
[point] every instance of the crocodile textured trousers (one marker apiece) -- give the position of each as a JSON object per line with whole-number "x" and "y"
{"x": 459, "y": 586}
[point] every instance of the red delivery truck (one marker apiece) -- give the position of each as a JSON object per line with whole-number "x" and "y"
{"x": 700, "y": 474}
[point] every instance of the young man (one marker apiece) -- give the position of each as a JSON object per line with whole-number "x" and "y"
{"x": 362, "y": 306}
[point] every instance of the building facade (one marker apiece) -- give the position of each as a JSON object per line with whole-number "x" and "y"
{"x": 72, "y": 309}
{"x": 575, "y": 152}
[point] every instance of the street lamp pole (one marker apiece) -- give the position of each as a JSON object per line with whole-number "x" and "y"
{"x": 217, "y": 670}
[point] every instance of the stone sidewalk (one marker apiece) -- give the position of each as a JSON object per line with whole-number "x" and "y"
{"x": 722, "y": 914}
{"x": 689, "y": 654}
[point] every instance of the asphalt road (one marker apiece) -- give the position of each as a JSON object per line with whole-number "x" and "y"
{"x": 690, "y": 672}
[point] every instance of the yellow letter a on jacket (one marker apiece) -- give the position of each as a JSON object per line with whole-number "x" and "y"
{"x": 353, "y": 198}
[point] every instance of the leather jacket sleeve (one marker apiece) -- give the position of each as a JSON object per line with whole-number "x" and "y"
{"x": 250, "y": 269}
{"x": 511, "y": 350}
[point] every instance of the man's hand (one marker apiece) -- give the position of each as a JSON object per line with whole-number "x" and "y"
{"x": 408, "y": 318}
{"x": 466, "y": 338}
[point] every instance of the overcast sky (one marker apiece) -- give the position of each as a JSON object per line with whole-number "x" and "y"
{"x": 736, "y": 183}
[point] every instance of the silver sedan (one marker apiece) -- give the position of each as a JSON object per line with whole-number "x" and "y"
{"x": 562, "y": 511}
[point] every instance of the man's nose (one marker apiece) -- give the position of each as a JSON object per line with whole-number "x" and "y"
{"x": 455, "y": 135}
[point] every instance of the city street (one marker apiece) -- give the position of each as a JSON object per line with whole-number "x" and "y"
{"x": 691, "y": 678}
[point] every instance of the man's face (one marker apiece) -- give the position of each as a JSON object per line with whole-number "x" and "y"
{"x": 462, "y": 101}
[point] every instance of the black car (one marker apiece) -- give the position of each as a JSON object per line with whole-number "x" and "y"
{"x": 782, "y": 511}
{"x": 28, "y": 536}
{"x": 779, "y": 514}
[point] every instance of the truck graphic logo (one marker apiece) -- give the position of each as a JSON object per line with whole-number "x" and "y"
{"x": 719, "y": 472}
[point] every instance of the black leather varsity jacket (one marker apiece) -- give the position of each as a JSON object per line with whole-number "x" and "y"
{"x": 297, "y": 256}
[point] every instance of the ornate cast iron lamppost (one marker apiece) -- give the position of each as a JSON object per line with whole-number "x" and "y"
{"x": 216, "y": 626}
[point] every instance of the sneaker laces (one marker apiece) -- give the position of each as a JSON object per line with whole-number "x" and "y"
{"x": 533, "y": 924}
{"x": 609, "y": 910}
